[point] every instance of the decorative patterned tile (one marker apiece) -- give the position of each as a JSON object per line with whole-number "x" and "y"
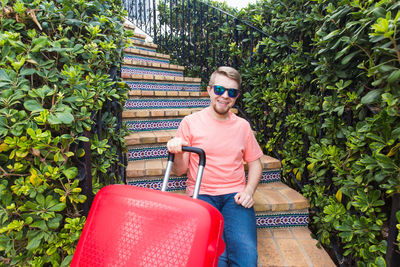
{"x": 147, "y": 153}
{"x": 146, "y": 59}
{"x": 153, "y": 125}
{"x": 282, "y": 220}
{"x": 271, "y": 176}
{"x": 174, "y": 184}
{"x": 166, "y": 103}
{"x": 143, "y": 48}
{"x": 150, "y": 86}
{"x": 138, "y": 39}
{"x": 142, "y": 71}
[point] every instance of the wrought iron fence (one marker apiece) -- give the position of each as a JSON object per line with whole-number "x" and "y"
{"x": 185, "y": 28}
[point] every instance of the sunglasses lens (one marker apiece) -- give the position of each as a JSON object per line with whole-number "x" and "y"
{"x": 219, "y": 90}
{"x": 233, "y": 92}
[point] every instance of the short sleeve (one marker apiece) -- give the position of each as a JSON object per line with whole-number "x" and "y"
{"x": 184, "y": 131}
{"x": 252, "y": 150}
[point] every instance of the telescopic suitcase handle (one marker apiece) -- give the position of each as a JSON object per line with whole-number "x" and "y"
{"x": 202, "y": 164}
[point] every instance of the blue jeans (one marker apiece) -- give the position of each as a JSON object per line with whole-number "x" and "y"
{"x": 240, "y": 233}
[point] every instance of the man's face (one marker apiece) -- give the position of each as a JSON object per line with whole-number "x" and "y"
{"x": 222, "y": 103}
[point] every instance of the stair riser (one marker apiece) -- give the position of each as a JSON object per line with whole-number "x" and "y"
{"x": 146, "y": 59}
{"x": 138, "y": 39}
{"x": 152, "y": 125}
{"x": 150, "y": 71}
{"x": 166, "y": 103}
{"x": 179, "y": 183}
{"x": 153, "y": 86}
{"x": 284, "y": 220}
{"x": 148, "y": 49}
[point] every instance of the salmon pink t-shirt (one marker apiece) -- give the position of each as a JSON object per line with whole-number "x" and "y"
{"x": 226, "y": 144}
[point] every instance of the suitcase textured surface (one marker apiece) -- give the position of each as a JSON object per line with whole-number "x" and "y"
{"x": 132, "y": 226}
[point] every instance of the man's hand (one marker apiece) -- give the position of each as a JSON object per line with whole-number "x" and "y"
{"x": 175, "y": 145}
{"x": 181, "y": 162}
{"x": 245, "y": 198}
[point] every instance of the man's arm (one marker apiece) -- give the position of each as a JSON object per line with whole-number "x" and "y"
{"x": 245, "y": 198}
{"x": 181, "y": 161}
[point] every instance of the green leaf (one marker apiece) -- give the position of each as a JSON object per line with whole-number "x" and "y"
{"x": 380, "y": 262}
{"x": 70, "y": 173}
{"x": 35, "y": 241}
{"x": 39, "y": 43}
{"x": 65, "y": 117}
{"x": 394, "y": 76}
{"x": 372, "y": 97}
{"x": 347, "y": 58}
{"x": 33, "y": 105}
{"x": 58, "y": 207}
{"x": 67, "y": 261}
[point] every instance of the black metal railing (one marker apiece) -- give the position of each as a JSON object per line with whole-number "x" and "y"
{"x": 185, "y": 28}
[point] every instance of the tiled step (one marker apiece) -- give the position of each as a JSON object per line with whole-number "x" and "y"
{"x": 138, "y": 37}
{"x": 277, "y": 197}
{"x": 145, "y": 68}
{"x": 163, "y": 107}
{"x": 129, "y": 26}
{"x": 159, "y": 113}
{"x": 173, "y": 103}
{"x": 154, "y": 167}
{"x": 150, "y": 137}
{"x": 145, "y": 56}
{"x": 156, "y": 83}
{"x": 290, "y": 247}
{"x": 138, "y": 44}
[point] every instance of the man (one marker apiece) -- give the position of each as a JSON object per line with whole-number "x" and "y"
{"x": 227, "y": 140}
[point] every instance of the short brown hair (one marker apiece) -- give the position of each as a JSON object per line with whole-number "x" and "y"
{"x": 228, "y": 72}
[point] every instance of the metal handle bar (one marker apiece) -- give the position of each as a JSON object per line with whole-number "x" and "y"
{"x": 202, "y": 164}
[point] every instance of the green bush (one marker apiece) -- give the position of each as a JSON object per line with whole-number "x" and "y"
{"x": 331, "y": 112}
{"x": 55, "y": 58}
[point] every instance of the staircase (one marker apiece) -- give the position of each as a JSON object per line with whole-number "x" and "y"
{"x": 159, "y": 98}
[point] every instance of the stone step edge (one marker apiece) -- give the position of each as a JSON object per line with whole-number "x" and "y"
{"x": 292, "y": 246}
{"x": 150, "y": 137}
{"x": 135, "y": 51}
{"x": 139, "y": 36}
{"x": 143, "y": 44}
{"x": 164, "y": 66}
{"x": 129, "y": 26}
{"x": 152, "y": 77}
{"x": 155, "y": 167}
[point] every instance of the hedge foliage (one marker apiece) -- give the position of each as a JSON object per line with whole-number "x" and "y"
{"x": 331, "y": 112}
{"x": 324, "y": 95}
{"x": 55, "y": 58}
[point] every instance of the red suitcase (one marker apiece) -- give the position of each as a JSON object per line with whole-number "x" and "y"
{"x": 133, "y": 226}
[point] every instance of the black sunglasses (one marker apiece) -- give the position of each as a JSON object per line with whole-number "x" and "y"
{"x": 220, "y": 90}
